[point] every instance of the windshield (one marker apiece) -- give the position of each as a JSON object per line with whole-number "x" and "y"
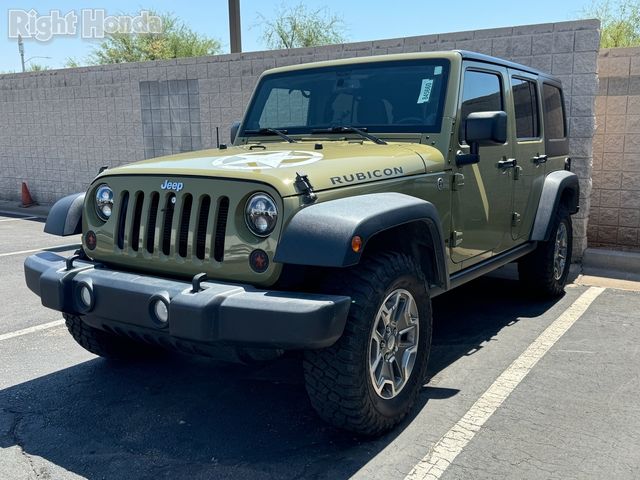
{"x": 398, "y": 96}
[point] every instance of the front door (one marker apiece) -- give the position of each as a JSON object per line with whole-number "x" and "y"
{"x": 482, "y": 196}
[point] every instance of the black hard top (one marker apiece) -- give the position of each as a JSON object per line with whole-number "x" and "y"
{"x": 480, "y": 57}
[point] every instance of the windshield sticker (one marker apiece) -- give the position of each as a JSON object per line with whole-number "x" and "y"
{"x": 425, "y": 90}
{"x": 266, "y": 160}
{"x": 437, "y": 70}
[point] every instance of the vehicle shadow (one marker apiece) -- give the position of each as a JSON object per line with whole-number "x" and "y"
{"x": 179, "y": 417}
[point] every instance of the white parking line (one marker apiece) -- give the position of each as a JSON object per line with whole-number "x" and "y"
{"x": 48, "y": 249}
{"x": 26, "y": 331}
{"x": 17, "y": 218}
{"x": 435, "y": 463}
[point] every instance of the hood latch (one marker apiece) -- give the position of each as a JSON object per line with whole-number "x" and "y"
{"x": 303, "y": 185}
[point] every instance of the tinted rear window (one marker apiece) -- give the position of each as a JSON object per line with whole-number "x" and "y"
{"x": 554, "y": 122}
{"x": 525, "y": 101}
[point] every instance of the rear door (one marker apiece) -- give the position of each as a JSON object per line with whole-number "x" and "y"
{"x": 529, "y": 151}
{"x": 481, "y": 202}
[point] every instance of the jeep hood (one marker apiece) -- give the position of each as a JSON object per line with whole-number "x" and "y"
{"x": 336, "y": 164}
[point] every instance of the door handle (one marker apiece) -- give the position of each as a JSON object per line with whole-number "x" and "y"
{"x": 539, "y": 159}
{"x": 507, "y": 163}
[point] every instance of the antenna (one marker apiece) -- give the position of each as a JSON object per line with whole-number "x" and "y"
{"x": 218, "y": 137}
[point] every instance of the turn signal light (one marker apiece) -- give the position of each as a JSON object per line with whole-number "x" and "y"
{"x": 356, "y": 243}
{"x": 91, "y": 240}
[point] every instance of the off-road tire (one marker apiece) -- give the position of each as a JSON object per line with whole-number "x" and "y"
{"x": 105, "y": 344}
{"x": 337, "y": 378}
{"x": 536, "y": 270}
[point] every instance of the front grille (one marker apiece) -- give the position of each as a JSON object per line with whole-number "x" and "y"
{"x": 122, "y": 217}
{"x": 172, "y": 225}
{"x": 153, "y": 218}
{"x": 203, "y": 220}
{"x": 221, "y": 225}
{"x": 137, "y": 218}
{"x": 169, "y": 209}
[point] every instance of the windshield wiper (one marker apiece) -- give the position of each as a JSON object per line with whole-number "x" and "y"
{"x": 271, "y": 131}
{"x": 348, "y": 129}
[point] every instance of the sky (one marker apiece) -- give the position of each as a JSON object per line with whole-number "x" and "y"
{"x": 363, "y": 19}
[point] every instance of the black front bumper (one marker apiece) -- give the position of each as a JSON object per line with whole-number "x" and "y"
{"x": 220, "y": 313}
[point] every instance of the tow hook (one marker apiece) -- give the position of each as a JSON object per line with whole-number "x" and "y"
{"x": 196, "y": 281}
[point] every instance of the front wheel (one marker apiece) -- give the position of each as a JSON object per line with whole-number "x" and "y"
{"x": 369, "y": 379}
{"x": 105, "y": 344}
{"x": 545, "y": 270}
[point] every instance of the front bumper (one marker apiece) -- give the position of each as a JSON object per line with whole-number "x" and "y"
{"x": 220, "y": 313}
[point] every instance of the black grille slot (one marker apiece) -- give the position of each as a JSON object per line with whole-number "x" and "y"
{"x": 185, "y": 218}
{"x": 137, "y": 218}
{"x": 203, "y": 220}
{"x": 122, "y": 218}
{"x": 151, "y": 224}
{"x": 168, "y": 220}
{"x": 221, "y": 228}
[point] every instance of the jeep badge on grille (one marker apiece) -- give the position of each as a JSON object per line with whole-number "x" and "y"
{"x": 167, "y": 185}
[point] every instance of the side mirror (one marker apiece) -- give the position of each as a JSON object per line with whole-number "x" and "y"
{"x": 234, "y": 131}
{"x": 482, "y": 129}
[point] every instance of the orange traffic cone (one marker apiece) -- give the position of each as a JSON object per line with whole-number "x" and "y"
{"x": 27, "y": 200}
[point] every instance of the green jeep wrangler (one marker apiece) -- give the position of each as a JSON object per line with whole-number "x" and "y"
{"x": 355, "y": 191}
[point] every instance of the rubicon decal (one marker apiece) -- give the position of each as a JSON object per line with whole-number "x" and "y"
{"x": 368, "y": 175}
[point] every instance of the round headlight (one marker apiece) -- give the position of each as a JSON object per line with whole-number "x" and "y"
{"x": 261, "y": 214}
{"x": 104, "y": 201}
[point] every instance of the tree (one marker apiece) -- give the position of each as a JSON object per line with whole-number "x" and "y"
{"x": 176, "y": 40}
{"x": 72, "y": 63}
{"x": 299, "y": 26}
{"x": 620, "y": 22}
{"x": 37, "y": 67}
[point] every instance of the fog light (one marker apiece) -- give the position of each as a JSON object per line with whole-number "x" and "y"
{"x": 85, "y": 296}
{"x": 161, "y": 311}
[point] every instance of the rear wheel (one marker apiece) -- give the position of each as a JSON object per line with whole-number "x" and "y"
{"x": 546, "y": 269}
{"x": 369, "y": 379}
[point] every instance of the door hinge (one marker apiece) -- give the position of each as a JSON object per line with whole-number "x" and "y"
{"x": 457, "y": 182}
{"x": 516, "y": 218}
{"x": 456, "y": 239}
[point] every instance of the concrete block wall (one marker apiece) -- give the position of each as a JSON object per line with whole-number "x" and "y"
{"x": 615, "y": 212}
{"x": 57, "y": 128}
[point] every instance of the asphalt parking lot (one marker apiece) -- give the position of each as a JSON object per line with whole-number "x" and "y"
{"x": 518, "y": 389}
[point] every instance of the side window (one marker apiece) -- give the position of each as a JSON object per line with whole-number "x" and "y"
{"x": 554, "y": 121}
{"x": 525, "y": 102}
{"x": 284, "y": 108}
{"x": 482, "y": 92}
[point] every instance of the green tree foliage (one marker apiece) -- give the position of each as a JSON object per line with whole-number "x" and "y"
{"x": 176, "y": 40}
{"x": 620, "y": 22}
{"x": 36, "y": 67}
{"x": 299, "y": 26}
{"x": 72, "y": 63}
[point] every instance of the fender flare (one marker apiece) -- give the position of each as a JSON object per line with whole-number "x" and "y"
{"x": 555, "y": 186}
{"x": 320, "y": 235}
{"x": 65, "y": 217}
